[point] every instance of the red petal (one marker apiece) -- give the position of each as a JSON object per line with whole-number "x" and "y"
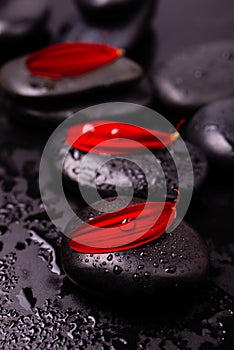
{"x": 70, "y": 59}
{"x": 119, "y": 137}
{"x": 125, "y": 229}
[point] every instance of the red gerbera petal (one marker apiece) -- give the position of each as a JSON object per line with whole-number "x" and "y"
{"x": 70, "y": 59}
{"x": 125, "y": 229}
{"x": 90, "y": 137}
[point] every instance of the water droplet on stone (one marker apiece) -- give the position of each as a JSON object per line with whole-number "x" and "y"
{"x": 140, "y": 267}
{"x": 117, "y": 269}
{"x": 110, "y": 257}
{"x": 88, "y": 127}
{"x": 136, "y": 277}
{"x": 147, "y": 275}
{"x": 170, "y": 269}
{"x": 143, "y": 253}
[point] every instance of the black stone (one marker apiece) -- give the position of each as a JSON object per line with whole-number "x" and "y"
{"x": 23, "y": 26}
{"x": 142, "y": 92}
{"x": 141, "y": 173}
{"x": 212, "y": 128}
{"x": 197, "y": 76}
{"x": 169, "y": 264}
{"x": 95, "y": 8}
{"x": 125, "y": 33}
{"x": 17, "y": 82}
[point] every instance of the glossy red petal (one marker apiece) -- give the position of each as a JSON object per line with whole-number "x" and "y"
{"x": 125, "y": 229}
{"x": 120, "y": 137}
{"x": 70, "y": 59}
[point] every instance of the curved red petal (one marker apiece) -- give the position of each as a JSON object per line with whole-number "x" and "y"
{"x": 125, "y": 229}
{"x": 120, "y": 137}
{"x": 70, "y": 59}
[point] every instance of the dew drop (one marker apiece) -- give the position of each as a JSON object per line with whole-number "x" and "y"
{"x": 170, "y": 269}
{"x": 140, "y": 267}
{"x": 127, "y": 225}
{"x": 88, "y": 127}
{"x": 110, "y": 257}
{"x": 147, "y": 275}
{"x": 117, "y": 269}
{"x": 143, "y": 253}
{"x": 136, "y": 277}
{"x": 75, "y": 154}
{"x": 114, "y": 131}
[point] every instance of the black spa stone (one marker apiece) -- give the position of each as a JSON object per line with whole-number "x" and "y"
{"x": 115, "y": 9}
{"x": 34, "y": 100}
{"x": 124, "y": 33}
{"x": 51, "y": 115}
{"x": 172, "y": 263}
{"x": 22, "y": 25}
{"x": 17, "y": 82}
{"x": 212, "y": 129}
{"x": 197, "y": 76}
{"x": 141, "y": 173}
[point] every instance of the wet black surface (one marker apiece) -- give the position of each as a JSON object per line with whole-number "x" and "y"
{"x": 40, "y": 308}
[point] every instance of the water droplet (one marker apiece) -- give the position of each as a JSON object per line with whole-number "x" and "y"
{"x": 117, "y": 269}
{"x": 114, "y": 131}
{"x": 143, "y": 253}
{"x": 128, "y": 225}
{"x": 88, "y": 127}
{"x": 110, "y": 257}
{"x": 147, "y": 275}
{"x": 136, "y": 277}
{"x": 75, "y": 154}
{"x": 140, "y": 267}
{"x": 170, "y": 269}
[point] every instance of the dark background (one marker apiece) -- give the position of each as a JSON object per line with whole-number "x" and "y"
{"x": 39, "y": 307}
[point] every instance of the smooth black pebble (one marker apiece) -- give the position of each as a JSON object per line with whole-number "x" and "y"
{"x": 23, "y": 26}
{"x": 141, "y": 173}
{"x": 125, "y": 33}
{"x": 141, "y": 92}
{"x": 96, "y": 8}
{"x": 48, "y": 101}
{"x": 212, "y": 129}
{"x": 197, "y": 76}
{"x": 172, "y": 263}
